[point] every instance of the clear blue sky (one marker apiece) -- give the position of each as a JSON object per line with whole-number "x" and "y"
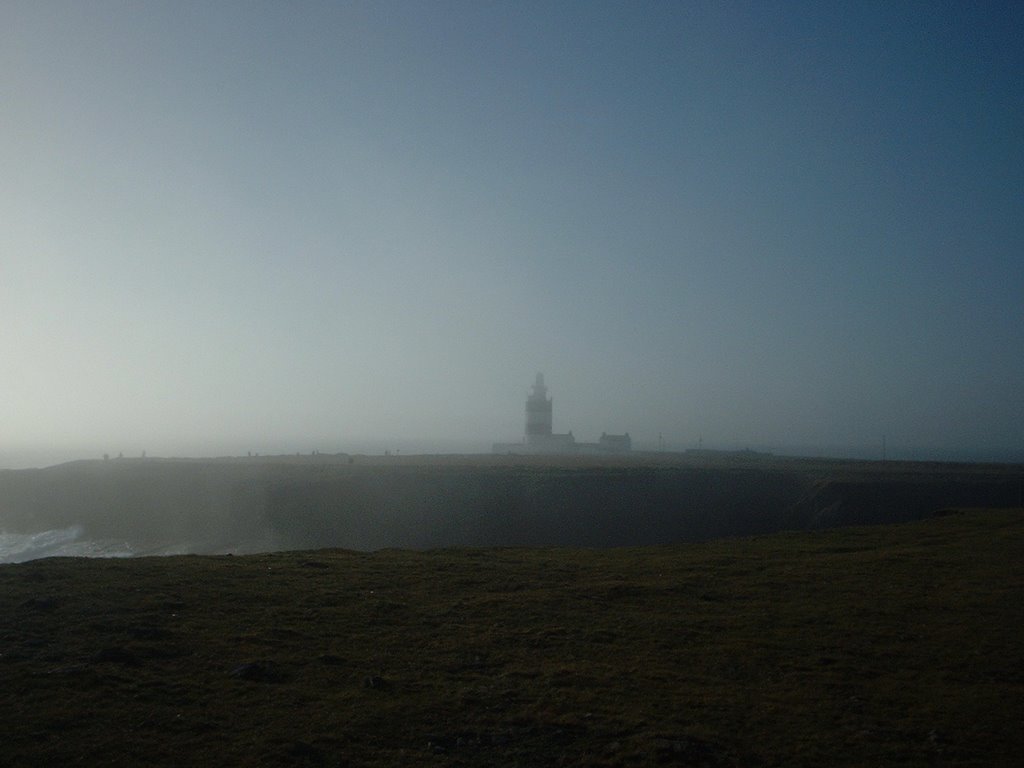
{"x": 284, "y": 226}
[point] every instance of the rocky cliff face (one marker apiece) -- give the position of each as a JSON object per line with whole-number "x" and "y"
{"x": 206, "y": 506}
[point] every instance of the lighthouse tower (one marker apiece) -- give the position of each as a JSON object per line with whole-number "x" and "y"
{"x": 538, "y": 413}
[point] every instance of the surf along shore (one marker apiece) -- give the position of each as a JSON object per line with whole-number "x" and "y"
{"x": 894, "y": 645}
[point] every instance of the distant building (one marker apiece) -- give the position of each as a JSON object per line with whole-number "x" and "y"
{"x": 540, "y": 438}
{"x": 615, "y": 443}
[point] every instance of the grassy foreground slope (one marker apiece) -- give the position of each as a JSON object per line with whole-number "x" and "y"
{"x": 889, "y": 645}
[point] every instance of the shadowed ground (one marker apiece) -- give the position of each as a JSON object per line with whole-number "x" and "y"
{"x": 890, "y": 645}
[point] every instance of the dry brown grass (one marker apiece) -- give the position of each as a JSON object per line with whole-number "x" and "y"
{"x": 894, "y": 645}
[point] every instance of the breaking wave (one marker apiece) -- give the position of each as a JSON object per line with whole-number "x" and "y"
{"x": 62, "y": 542}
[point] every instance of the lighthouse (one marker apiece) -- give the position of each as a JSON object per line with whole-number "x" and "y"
{"x": 538, "y": 413}
{"x": 541, "y": 440}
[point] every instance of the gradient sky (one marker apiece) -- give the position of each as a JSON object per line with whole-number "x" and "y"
{"x": 296, "y": 225}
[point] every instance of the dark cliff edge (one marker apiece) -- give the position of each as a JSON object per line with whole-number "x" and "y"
{"x": 211, "y": 505}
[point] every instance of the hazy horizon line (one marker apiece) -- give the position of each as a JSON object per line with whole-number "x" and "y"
{"x": 38, "y": 456}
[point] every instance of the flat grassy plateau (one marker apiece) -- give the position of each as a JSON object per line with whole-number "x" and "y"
{"x": 889, "y": 645}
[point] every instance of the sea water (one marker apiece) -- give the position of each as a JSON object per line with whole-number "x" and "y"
{"x": 63, "y": 542}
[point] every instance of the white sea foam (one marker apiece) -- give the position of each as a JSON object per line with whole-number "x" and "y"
{"x": 63, "y": 542}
